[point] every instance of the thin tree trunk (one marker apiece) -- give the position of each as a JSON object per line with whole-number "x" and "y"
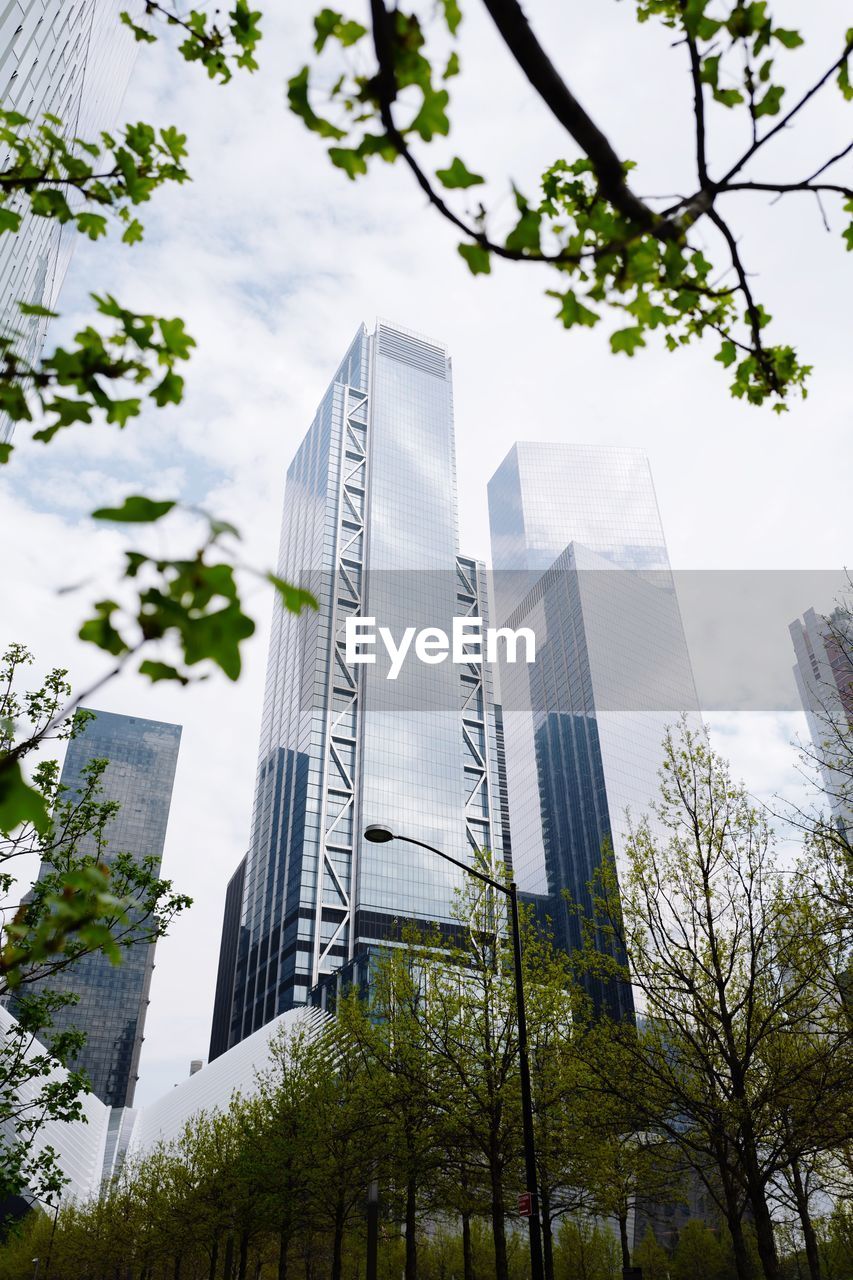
{"x": 548, "y": 1248}
{"x": 244, "y": 1255}
{"x": 467, "y": 1249}
{"x": 498, "y": 1226}
{"x": 744, "y": 1268}
{"x": 214, "y": 1258}
{"x": 229, "y": 1257}
{"x": 283, "y": 1248}
{"x": 623, "y": 1240}
{"x": 411, "y": 1272}
{"x": 764, "y": 1236}
{"x": 547, "y": 1232}
{"x": 809, "y": 1235}
{"x": 338, "y": 1243}
{"x": 743, "y": 1263}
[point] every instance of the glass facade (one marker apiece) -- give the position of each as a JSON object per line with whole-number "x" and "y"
{"x": 74, "y": 61}
{"x": 824, "y": 677}
{"x": 580, "y": 559}
{"x": 370, "y": 527}
{"x": 228, "y": 948}
{"x": 113, "y": 999}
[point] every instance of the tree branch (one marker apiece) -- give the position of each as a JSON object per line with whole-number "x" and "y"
{"x": 385, "y": 86}
{"x": 783, "y": 188}
{"x": 518, "y": 36}
{"x": 699, "y": 111}
{"x": 751, "y": 308}
{"x": 786, "y": 119}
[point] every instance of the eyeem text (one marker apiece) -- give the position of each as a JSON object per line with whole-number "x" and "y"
{"x": 469, "y": 642}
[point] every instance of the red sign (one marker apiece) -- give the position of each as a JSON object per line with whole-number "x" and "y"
{"x": 525, "y": 1204}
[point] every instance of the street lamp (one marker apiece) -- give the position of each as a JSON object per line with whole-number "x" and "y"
{"x": 378, "y": 834}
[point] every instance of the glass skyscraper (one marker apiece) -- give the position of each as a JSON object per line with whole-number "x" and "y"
{"x": 113, "y": 999}
{"x": 229, "y": 942}
{"x": 824, "y": 678}
{"x": 370, "y": 527}
{"x": 580, "y": 558}
{"x": 72, "y": 60}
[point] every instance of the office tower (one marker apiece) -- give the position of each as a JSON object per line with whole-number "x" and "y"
{"x": 824, "y": 677}
{"x": 228, "y": 946}
{"x": 370, "y": 527}
{"x": 113, "y": 999}
{"x": 72, "y": 61}
{"x": 580, "y": 558}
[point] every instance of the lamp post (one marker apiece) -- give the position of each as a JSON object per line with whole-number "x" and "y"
{"x": 377, "y": 834}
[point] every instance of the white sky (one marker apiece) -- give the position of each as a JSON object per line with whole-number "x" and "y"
{"x": 273, "y": 258}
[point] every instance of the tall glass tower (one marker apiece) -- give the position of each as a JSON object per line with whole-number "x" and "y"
{"x": 824, "y": 677}
{"x": 74, "y": 62}
{"x": 370, "y": 527}
{"x": 580, "y": 558}
{"x": 113, "y": 999}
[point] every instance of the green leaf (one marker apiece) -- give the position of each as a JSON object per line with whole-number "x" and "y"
{"x": 161, "y": 671}
{"x": 790, "y": 39}
{"x": 139, "y": 33}
{"x": 169, "y": 391}
{"x": 457, "y": 175}
{"x": 432, "y": 117}
{"x": 848, "y": 232}
{"x": 14, "y": 402}
{"x": 294, "y": 599}
{"x": 220, "y": 527}
{"x": 19, "y": 802}
{"x": 100, "y": 630}
{"x": 727, "y": 354}
{"x": 174, "y": 142}
{"x": 50, "y": 203}
{"x": 93, "y": 225}
{"x": 136, "y": 509}
{"x": 349, "y": 159}
{"x": 217, "y": 636}
{"x": 329, "y": 24}
{"x": 9, "y": 220}
{"x": 452, "y": 15}
{"x": 770, "y": 104}
{"x": 175, "y": 338}
{"x": 728, "y": 97}
{"x": 452, "y": 68}
{"x": 844, "y": 71}
{"x": 133, "y": 232}
{"x": 121, "y": 411}
{"x": 526, "y": 232}
{"x": 627, "y": 340}
{"x": 31, "y": 309}
{"x": 572, "y": 311}
{"x": 478, "y": 258}
{"x": 297, "y": 97}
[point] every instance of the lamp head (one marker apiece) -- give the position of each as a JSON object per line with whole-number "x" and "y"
{"x": 377, "y": 834}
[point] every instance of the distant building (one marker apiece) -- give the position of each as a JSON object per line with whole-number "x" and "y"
{"x": 824, "y": 678}
{"x": 71, "y": 60}
{"x": 580, "y": 558}
{"x": 228, "y": 948}
{"x": 113, "y": 999}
